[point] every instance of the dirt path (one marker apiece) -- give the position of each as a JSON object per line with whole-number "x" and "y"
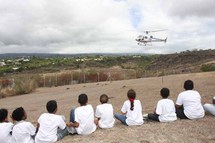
{"x": 147, "y": 90}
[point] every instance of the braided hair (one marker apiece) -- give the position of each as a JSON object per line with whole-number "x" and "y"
{"x": 131, "y": 96}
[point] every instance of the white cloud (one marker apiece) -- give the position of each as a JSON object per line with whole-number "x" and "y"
{"x": 80, "y": 26}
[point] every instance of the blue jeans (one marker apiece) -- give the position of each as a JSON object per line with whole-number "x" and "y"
{"x": 121, "y": 118}
{"x": 72, "y": 116}
{"x": 62, "y": 133}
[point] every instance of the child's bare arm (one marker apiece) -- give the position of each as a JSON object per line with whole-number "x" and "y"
{"x": 70, "y": 124}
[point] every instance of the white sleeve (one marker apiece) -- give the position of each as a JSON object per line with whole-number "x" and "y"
{"x": 179, "y": 100}
{"x": 62, "y": 124}
{"x": 124, "y": 108}
{"x": 98, "y": 113}
{"x": 159, "y": 108}
{"x": 31, "y": 129}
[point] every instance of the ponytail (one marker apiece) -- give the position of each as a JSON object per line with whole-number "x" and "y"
{"x": 131, "y": 96}
{"x": 132, "y": 104}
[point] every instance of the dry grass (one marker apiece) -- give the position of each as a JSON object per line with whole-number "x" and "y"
{"x": 185, "y": 131}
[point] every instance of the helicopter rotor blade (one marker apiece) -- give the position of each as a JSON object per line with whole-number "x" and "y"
{"x": 147, "y": 31}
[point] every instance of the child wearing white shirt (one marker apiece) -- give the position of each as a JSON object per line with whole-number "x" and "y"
{"x": 188, "y": 103}
{"x": 131, "y": 111}
{"x": 82, "y": 118}
{"x": 104, "y": 113}
{"x": 23, "y": 132}
{"x": 5, "y": 127}
{"x": 165, "y": 110}
{"x": 51, "y": 127}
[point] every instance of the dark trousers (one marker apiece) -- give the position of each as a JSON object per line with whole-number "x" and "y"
{"x": 72, "y": 116}
{"x": 180, "y": 113}
{"x": 153, "y": 117}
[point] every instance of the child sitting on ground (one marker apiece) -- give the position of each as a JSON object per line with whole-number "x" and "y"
{"x": 104, "y": 113}
{"x": 23, "y": 132}
{"x": 131, "y": 110}
{"x": 5, "y": 127}
{"x": 51, "y": 127}
{"x": 82, "y": 118}
{"x": 165, "y": 110}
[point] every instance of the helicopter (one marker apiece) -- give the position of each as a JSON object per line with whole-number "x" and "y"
{"x": 146, "y": 39}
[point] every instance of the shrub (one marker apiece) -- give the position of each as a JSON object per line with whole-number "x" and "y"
{"x": 23, "y": 85}
{"x": 208, "y": 67}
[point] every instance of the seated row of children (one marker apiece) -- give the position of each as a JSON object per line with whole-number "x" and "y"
{"x": 52, "y": 127}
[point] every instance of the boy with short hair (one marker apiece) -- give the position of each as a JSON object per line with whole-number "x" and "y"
{"x": 165, "y": 110}
{"x": 23, "y": 132}
{"x": 5, "y": 127}
{"x": 51, "y": 127}
{"x": 104, "y": 113}
{"x": 82, "y": 118}
{"x": 188, "y": 103}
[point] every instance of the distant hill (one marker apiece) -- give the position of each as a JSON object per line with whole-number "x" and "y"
{"x": 52, "y": 55}
{"x": 176, "y": 63}
{"x": 188, "y": 61}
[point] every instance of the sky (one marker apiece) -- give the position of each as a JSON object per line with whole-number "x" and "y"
{"x": 105, "y": 26}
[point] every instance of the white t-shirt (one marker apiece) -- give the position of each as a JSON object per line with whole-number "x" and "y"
{"x": 191, "y": 101}
{"x": 134, "y": 117}
{"x": 105, "y": 113}
{"x": 166, "y": 110}
{"x": 23, "y": 132}
{"x": 84, "y": 115}
{"x": 49, "y": 124}
{"x": 5, "y": 129}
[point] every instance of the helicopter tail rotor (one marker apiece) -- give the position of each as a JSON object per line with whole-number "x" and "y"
{"x": 165, "y": 40}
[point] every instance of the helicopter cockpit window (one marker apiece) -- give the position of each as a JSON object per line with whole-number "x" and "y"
{"x": 146, "y": 37}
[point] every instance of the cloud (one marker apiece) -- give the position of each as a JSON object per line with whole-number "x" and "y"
{"x": 198, "y": 8}
{"x": 80, "y": 26}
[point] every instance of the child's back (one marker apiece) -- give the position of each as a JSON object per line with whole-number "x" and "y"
{"x": 84, "y": 115}
{"x": 23, "y": 131}
{"x": 49, "y": 124}
{"x": 5, "y": 127}
{"x": 166, "y": 110}
{"x": 52, "y": 127}
{"x": 105, "y": 114}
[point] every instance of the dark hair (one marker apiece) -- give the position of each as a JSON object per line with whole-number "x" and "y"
{"x": 3, "y": 114}
{"x": 164, "y": 92}
{"x": 103, "y": 98}
{"x": 131, "y": 94}
{"x": 82, "y": 99}
{"x": 18, "y": 114}
{"x": 188, "y": 85}
{"x": 51, "y": 106}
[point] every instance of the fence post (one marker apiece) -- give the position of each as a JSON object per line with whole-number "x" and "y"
{"x": 71, "y": 74}
{"x": 56, "y": 80}
{"x": 98, "y": 76}
{"x": 44, "y": 84}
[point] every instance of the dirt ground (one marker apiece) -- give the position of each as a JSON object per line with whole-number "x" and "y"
{"x": 147, "y": 89}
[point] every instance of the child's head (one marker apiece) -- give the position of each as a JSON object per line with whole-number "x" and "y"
{"x": 19, "y": 114}
{"x": 188, "y": 85}
{"x": 82, "y": 99}
{"x": 131, "y": 94}
{"x": 164, "y": 92}
{"x": 103, "y": 98}
{"x": 51, "y": 106}
{"x": 3, "y": 115}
